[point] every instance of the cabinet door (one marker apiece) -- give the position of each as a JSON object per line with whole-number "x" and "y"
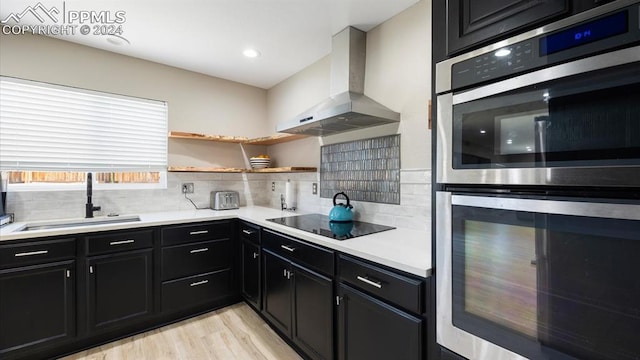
{"x": 313, "y": 313}
{"x": 37, "y": 305}
{"x": 371, "y": 329}
{"x": 470, "y": 22}
{"x": 251, "y": 273}
{"x": 119, "y": 288}
{"x": 277, "y": 291}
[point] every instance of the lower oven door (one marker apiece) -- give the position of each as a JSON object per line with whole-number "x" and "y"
{"x": 539, "y": 279}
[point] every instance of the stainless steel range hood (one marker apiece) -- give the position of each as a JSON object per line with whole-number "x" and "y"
{"x": 347, "y": 107}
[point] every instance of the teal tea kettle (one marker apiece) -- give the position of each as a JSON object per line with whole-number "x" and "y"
{"x": 341, "y": 212}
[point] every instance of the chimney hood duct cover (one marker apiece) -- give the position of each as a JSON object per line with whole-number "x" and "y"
{"x": 347, "y": 108}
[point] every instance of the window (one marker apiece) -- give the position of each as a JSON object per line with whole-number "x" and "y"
{"x": 51, "y": 136}
{"x": 72, "y": 180}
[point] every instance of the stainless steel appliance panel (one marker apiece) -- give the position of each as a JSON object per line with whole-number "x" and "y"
{"x": 537, "y": 278}
{"x": 573, "y": 122}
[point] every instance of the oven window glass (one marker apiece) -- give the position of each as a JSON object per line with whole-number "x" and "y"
{"x": 547, "y": 286}
{"x": 587, "y": 120}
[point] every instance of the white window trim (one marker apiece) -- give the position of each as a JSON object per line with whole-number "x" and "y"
{"x": 161, "y": 184}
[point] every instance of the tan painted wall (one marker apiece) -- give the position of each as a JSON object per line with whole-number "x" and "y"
{"x": 197, "y": 103}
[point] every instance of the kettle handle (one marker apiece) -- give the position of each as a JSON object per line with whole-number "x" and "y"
{"x": 348, "y": 206}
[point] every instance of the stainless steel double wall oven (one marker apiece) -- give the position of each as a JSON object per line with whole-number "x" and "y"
{"x": 538, "y": 217}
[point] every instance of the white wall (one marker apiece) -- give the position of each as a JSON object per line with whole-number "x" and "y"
{"x": 398, "y": 75}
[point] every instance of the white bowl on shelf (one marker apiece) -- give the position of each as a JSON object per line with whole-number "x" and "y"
{"x": 259, "y": 163}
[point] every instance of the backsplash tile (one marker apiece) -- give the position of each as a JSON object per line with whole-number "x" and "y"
{"x": 366, "y": 170}
{"x": 413, "y": 212}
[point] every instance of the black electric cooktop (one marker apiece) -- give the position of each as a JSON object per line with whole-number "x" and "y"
{"x": 320, "y": 224}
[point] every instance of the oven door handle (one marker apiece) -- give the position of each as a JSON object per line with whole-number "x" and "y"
{"x": 598, "y": 210}
{"x": 598, "y": 62}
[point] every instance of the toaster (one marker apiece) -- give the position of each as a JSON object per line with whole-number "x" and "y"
{"x": 225, "y": 200}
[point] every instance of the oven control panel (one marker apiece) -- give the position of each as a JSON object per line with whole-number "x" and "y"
{"x": 609, "y": 31}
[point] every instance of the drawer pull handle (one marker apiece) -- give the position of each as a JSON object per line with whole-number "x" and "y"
{"x": 199, "y": 250}
{"x": 255, "y": 255}
{"x": 248, "y": 232}
{"x": 372, "y": 283}
{"x": 130, "y": 241}
{"x": 31, "y": 253}
{"x": 199, "y": 232}
{"x": 288, "y": 248}
{"x": 199, "y": 283}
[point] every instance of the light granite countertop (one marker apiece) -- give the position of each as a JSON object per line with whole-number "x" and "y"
{"x": 403, "y": 249}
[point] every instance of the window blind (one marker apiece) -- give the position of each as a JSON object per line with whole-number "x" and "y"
{"x": 57, "y": 128}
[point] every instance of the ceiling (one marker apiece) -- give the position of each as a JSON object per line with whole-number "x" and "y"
{"x": 209, "y": 36}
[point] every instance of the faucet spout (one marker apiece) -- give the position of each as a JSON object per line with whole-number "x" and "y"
{"x": 89, "y": 208}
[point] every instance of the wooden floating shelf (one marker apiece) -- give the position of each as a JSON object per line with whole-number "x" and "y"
{"x": 275, "y": 139}
{"x": 204, "y": 169}
{"x": 287, "y": 169}
{"x": 218, "y": 138}
{"x": 267, "y": 140}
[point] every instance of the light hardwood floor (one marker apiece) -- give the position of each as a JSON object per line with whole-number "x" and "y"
{"x": 235, "y": 332}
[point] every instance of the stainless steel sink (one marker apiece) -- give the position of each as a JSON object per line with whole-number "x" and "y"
{"x": 56, "y": 224}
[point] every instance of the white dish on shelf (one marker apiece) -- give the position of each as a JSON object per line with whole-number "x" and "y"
{"x": 259, "y": 163}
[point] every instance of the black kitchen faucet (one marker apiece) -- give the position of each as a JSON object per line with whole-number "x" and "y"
{"x": 89, "y": 206}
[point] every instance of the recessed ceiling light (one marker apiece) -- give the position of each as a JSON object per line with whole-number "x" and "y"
{"x": 251, "y": 53}
{"x": 117, "y": 40}
{"x": 502, "y": 52}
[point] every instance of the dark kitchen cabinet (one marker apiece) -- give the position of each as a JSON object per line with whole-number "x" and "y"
{"x": 470, "y": 23}
{"x": 380, "y": 312}
{"x": 312, "y": 305}
{"x": 297, "y": 299}
{"x": 250, "y": 264}
{"x": 37, "y": 305}
{"x": 197, "y": 267}
{"x": 119, "y": 288}
{"x": 251, "y": 273}
{"x": 37, "y": 294}
{"x": 119, "y": 278}
{"x": 371, "y": 329}
{"x": 277, "y": 291}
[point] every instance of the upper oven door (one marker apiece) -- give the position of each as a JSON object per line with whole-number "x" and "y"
{"x": 574, "y": 124}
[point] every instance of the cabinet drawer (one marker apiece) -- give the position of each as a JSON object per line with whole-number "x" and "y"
{"x": 392, "y": 287}
{"x": 119, "y": 241}
{"x": 36, "y": 252}
{"x": 309, "y": 255}
{"x": 183, "y": 234}
{"x": 187, "y": 292}
{"x": 250, "y": 232}
{"x": 184, "y": 260}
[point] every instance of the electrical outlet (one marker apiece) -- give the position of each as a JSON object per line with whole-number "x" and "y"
{"x": 273, "y": 186}
{"x": 314, "y": 189}
{"x": 187, "y": 188}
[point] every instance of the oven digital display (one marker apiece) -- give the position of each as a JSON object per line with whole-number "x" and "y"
{"x": 603, "y": 28}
